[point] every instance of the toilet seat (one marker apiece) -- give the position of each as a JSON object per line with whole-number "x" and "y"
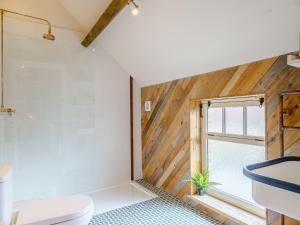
{"x": 54, "y": 210}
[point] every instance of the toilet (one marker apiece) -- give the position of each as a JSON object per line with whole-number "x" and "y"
{"x": 67, "y": 210}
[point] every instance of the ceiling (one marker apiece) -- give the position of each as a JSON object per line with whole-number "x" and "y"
{"x": 48, "y": 9}
{"x": 86, "y": 12}
{"x": 175, "y": 38}
{"x": 171, "y": 39}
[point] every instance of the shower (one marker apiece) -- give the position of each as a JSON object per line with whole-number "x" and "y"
{"x": 48, "y": 36}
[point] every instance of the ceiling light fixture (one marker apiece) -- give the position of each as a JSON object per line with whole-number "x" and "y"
{"x": 294, "y": 60}
{"x": 135, "y": 7}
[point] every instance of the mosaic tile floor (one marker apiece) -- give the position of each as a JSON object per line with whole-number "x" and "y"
{"x": 163, "y": 210}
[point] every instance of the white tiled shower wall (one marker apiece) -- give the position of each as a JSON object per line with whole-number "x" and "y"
{"x": 70, "y": 133}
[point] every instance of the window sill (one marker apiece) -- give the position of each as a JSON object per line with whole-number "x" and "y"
{"x": 234, "y": 213}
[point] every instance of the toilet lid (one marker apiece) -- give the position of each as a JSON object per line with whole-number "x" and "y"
{"x": 53, "y": 210}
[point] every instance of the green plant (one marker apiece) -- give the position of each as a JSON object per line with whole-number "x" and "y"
{"x": 201, "y": 180}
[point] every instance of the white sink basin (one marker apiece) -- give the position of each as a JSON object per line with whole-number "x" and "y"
{"x": 276, "y": 185}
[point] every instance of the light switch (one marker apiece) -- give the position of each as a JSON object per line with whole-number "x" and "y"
{"x": 147, "y": 106}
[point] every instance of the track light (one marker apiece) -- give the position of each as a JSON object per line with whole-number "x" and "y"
{"x": 135, "y": 7}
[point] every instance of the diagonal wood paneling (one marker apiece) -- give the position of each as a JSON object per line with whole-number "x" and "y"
{"x": 166, "y": 129}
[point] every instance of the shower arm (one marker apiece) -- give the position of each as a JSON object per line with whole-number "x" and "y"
{"x": 2, "y": 11}
{"x": 28, "y": 16}
{"x": 2, "y": 63}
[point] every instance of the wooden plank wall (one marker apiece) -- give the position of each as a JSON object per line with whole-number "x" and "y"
{"x": 166, "y": 129}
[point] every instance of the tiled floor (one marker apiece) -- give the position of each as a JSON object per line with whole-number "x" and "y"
{"x": 162, "y": 210}
{"x": 120, "y": 196}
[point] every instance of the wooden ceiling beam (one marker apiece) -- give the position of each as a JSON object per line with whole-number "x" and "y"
{"x": 105, "y": 19}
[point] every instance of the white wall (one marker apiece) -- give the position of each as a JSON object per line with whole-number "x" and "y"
{"x": 70, "y": 133}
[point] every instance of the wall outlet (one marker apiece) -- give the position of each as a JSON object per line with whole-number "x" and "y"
{"x": 147, "y": 106}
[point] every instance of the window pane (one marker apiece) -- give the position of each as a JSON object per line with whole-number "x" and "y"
{"x": 214, "y": 120}
{"x": 225, "y": 166}
{"x": 234, "y": 120}
{"x": 255, "y": 121}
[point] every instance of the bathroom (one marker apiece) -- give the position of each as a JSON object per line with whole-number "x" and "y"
{"x": 94, "y": 125}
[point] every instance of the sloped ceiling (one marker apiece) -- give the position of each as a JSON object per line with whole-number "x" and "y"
{"x": 86, "y": 12}
{"x": 78, "y": 15}
{"x": 172, "y": 39}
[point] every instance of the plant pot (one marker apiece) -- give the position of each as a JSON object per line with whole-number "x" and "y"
{"x": 201, "y": 192}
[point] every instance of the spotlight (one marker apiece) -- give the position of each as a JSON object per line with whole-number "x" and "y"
{"x": 135, "y": 8}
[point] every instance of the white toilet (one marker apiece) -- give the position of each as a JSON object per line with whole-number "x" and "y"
{"x": 69, "y": 210}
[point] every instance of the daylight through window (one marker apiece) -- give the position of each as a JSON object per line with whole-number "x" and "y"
{"x": 234, "y": 136}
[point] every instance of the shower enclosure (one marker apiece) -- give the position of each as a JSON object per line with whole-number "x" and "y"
{"x": 56, "y": 141}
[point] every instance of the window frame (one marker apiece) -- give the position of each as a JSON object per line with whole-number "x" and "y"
{"x": 244, "y": 102}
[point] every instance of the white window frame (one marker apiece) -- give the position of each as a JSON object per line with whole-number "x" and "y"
{"x": 243, "y": 139}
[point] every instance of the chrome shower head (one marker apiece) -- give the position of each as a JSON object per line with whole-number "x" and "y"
{"x": 49, "y": 36}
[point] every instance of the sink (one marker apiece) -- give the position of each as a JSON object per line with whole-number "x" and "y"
{"x": 276, "y": 185}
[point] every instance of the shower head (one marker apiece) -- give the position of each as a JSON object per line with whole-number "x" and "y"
{"x": 49, "y": 36}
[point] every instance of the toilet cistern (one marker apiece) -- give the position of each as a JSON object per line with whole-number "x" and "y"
{"x": 5, "y": 194}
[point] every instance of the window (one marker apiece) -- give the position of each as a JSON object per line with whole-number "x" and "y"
{"x": 234, "y": 136}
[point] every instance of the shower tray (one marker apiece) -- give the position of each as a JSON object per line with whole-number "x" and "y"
{"x": 276, "y": 185}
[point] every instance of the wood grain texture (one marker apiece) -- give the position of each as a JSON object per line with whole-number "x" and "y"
{"x": 106, "y": 18}
{"x": 170, "y": 130}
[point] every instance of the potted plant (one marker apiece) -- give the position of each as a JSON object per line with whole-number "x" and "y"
{"x": 201, "y": 181}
